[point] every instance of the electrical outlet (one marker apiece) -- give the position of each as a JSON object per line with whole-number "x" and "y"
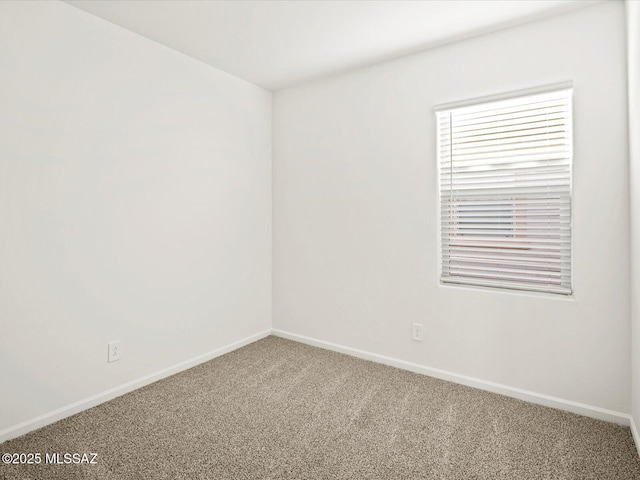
{"x": 416, "y": 332}
{"x": 115, "y": 351}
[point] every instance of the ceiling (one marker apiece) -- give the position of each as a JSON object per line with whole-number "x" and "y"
{"x": 276, "y": 44}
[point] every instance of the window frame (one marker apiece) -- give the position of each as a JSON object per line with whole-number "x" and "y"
{"x": 521, "y": 289}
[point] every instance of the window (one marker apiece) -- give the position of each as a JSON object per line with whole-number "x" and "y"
{"x": 505, "y": 193}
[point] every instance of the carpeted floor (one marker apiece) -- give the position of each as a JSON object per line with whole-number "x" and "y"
{"x": 277, "y": 409}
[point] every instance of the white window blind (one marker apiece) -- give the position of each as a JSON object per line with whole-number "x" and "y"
{"x": 505, "y": 193}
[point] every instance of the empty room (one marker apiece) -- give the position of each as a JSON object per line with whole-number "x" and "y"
{"x": 319, "y": 239}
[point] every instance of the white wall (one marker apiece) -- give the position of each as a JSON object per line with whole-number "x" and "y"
{"x": 355, "y": 219}
{"x": 633, "y": 52}
{"x": 135, "y": 204}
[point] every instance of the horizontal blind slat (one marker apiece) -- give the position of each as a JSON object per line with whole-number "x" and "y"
{"x": 522, "y": 277}
{"x": 499, "y": 133}
{"x": 546, "y": 261}
{"x": 487, "y": 282}
{"x": 507, "y": 169}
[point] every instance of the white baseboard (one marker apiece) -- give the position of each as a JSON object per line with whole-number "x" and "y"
{"x": 94, "y": 400}
{"x": 528, "y": 396}
{"x": 634, "y": 434}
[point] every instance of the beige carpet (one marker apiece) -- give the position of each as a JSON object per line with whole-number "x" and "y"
{"x": 277, "y": 409}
